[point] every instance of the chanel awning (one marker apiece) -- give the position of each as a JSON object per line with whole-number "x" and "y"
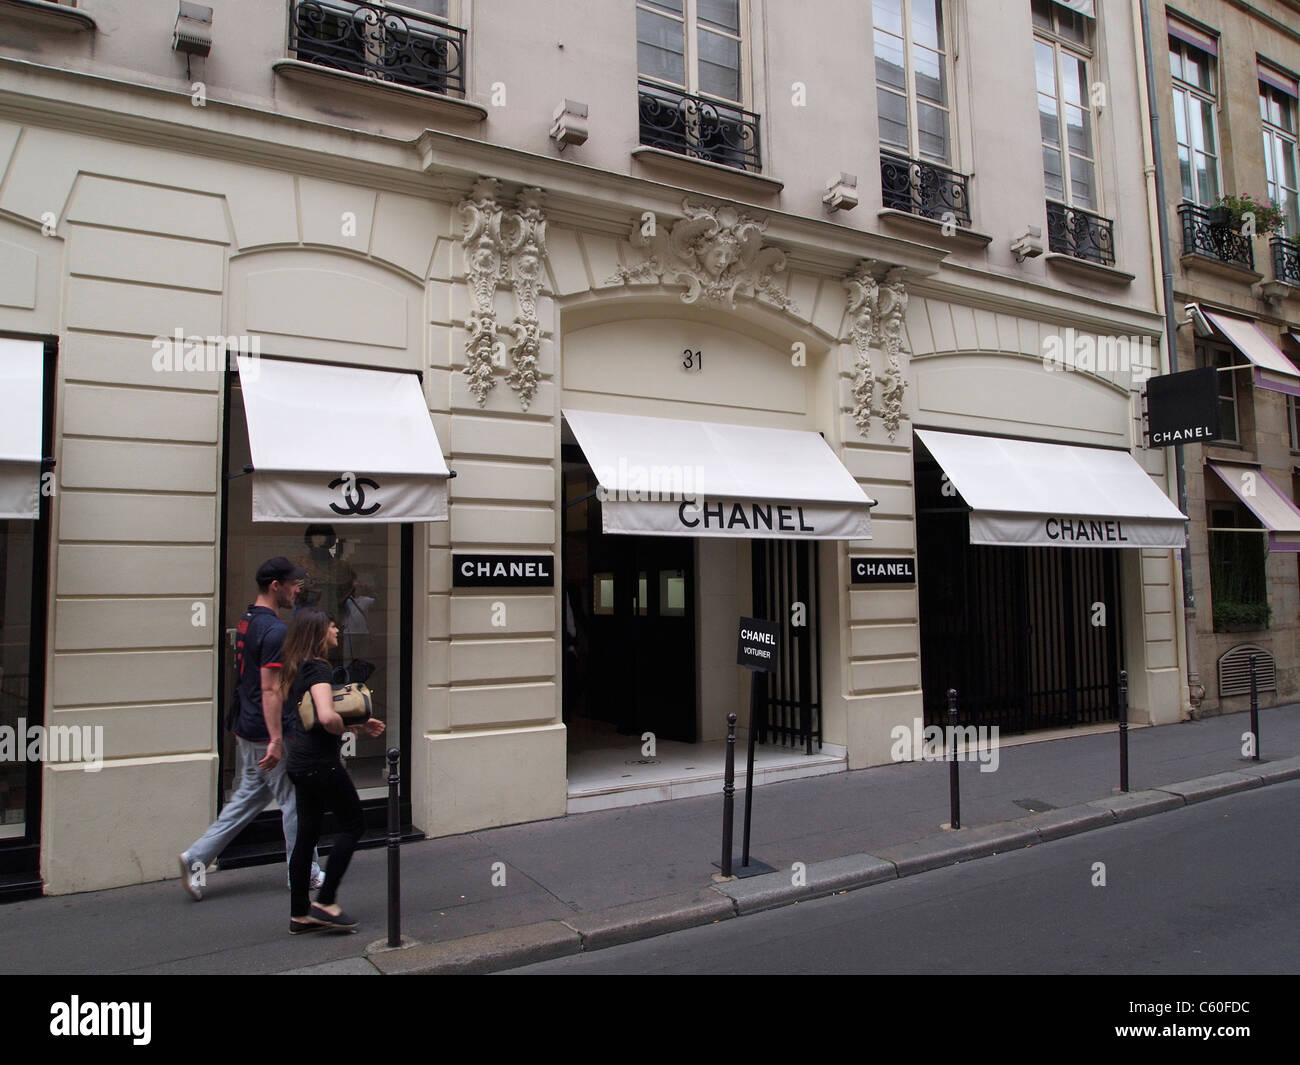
{"x": 664, "y": 477}
{"x": 335, "y": 443}
{"x": 1274, "y": 509}
{"x": 1023, "y": 493}
{"x": 22, "y": 386}
{"x": 1272, "y": 370}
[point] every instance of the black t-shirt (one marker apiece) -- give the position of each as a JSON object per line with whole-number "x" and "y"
{"x": 259, "y": 639}
{"x": 317, "y": 748}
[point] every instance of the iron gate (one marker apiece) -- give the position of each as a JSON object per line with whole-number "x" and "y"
{"x": 785, "y": 580}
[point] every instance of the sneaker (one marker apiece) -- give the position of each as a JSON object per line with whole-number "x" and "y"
{"x": 190, "y": 879}
{"x": 339, "y": 922}
{"x": 318, "y": 880}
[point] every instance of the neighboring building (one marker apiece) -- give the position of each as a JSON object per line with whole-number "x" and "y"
{"x": 1227, "y": 89}
{"x": 709, "y": 212}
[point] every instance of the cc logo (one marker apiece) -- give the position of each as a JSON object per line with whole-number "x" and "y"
{"x": 355, "y": 504}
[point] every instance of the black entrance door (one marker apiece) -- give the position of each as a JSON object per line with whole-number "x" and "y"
{"x": 629, "y": 622}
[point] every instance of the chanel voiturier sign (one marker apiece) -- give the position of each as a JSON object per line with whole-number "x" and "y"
{"x": 502, "y": 571}
{"x": 759, "y": 642}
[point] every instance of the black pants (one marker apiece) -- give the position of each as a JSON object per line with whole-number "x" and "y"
{"x": 316, "y": 791}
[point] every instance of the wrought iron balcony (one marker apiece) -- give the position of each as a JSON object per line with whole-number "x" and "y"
{"x": 1209, "y": 234}
{"x": 1082, "y": 234}
{"x": 378, "y": 42}
{"x": 925, "y": 189}
{"x": 1286, "y": 260}
{"x": 698, "y": 127}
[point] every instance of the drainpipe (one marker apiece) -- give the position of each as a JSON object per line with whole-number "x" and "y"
{"x": 1195, "y": 690}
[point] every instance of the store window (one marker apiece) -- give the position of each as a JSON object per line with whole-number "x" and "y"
{"x": 1062, "y": 54}
{"x": 356, "y": 572}
{"x": 1195, "y": 120}
{"x": 1238, "y": 553}
{"x": 1277, "y": 112}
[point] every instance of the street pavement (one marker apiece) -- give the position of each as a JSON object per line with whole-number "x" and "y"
{"x": 506, "y": 897}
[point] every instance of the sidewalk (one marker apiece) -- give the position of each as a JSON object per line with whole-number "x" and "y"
{"x": 592, "y": 880}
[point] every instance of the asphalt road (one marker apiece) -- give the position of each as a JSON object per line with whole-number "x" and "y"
{"x": 1210, "y": 889}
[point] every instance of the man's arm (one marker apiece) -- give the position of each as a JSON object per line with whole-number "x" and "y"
{"x": 271, "y": 705}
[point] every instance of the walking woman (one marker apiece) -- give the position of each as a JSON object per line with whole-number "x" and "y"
{"x": 319, "y": 779}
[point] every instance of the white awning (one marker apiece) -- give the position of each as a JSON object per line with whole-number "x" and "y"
{"x": 335, "y": 443}
{"x": 1023, "y": 492}
{"x": 665, "y": 477}
{"x": 1275, "y": 511}
{"x": 1272, "y": 370}
{"x": 22, "y": 388}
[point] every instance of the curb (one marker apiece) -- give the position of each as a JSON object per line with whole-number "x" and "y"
{"x": 511, "y": 948}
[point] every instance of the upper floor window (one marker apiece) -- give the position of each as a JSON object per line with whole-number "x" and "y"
{"x": 1221, "y": 357}
{"x": 692, "y": 45}
{"x": 1277, "y": 112}
{"x": 912, "y": 78}
{"x": 1192, "y": 64}
{"x": 1062, "y": 52}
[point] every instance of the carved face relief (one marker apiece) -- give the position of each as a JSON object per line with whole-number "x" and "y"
{"x": 719, "y": 255}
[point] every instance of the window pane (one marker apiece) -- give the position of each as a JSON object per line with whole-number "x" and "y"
{"x": 722, "y": 13}
{"x": 888, "y": 15}
{"x": 1047, "y": 121}
{"x": 1074, "y": 79}
{"x": 667, "y": 5}
{"x": 660, "y": 48}
{"x": 672, "y": 593}
{"x": 431, "y": 7}
{"x": 927, "y": 23}
{"x": 1263, "y": 103}
{"x": 1180, "y": 117}
{"x": 1045, "y": 68}
{"x": 889, "y": 61}
{"x": 1175, "y": 58}
{"x": 602, "y": 593}
{"x": 1185, "y": 172}
{"x": 1052, "y": 174}
{"x": 1208, "y": 142}
{"x": 893, "y": 119}
{"x": 1206, "y": 184}
{"x": 1286, "y": 114}
{"x": 719, "y": 65}
{"x": 1071, "y": 25}
{"x": 16, "y": 696}
{"x": 1043, "y": 14}
{"x": 929, "y": 75}
{"x": 1078, "y": 130}
{"x": 1082, "y": 183}
{"x": 932, "y": 130}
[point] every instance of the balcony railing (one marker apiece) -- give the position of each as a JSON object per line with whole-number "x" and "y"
{"x": 1082, "y": 234}
{"x": 377, "y": 42}
{"x": 1204, "y": 234}
{"x": 925, "y": 189}
{"x": 698, "y": 127}
{"x": 1286, "y": 260}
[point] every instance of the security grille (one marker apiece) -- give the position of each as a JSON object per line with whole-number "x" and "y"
{"x": 1234, "y": 671}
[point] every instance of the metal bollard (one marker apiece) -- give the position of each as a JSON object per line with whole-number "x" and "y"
{"x": 394, "y": 853}
{"x": 954, "y": 786}
{"x": 729, "y": 795}
{"x": 1123, "y": 730}
{"x": 1254, "y": 708}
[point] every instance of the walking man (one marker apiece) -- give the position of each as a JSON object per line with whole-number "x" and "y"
{"x": 259, "y": 738}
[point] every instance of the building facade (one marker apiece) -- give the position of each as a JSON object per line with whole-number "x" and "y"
{"x": 1227, "y": 88}
{"x": 611, "y": 242}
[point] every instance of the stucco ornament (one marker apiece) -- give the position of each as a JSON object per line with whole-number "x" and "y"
{"x": 503, "y": 246}
{"x": 876, "y": 313}
{"x": 716, "y": 251}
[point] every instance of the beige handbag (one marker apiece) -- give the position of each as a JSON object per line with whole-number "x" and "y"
{"x": 351, "y": 703}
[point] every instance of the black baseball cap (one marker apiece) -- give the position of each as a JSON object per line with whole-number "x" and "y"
{"x": 278, "y": 569}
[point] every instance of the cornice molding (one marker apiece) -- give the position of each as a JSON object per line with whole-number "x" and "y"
{"x": 47, "y": 16}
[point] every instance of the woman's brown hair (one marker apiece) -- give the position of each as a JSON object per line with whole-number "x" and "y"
{"x": 306, "y": 638}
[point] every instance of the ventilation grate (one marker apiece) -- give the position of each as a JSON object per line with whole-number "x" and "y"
{"x": 1234, "y": 671}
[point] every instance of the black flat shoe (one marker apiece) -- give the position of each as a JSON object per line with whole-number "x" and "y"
{"x": 298, "y": 927}
{"x": 339, "y": 922}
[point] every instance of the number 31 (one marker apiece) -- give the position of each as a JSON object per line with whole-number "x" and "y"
{"x": 692, "y": 360}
